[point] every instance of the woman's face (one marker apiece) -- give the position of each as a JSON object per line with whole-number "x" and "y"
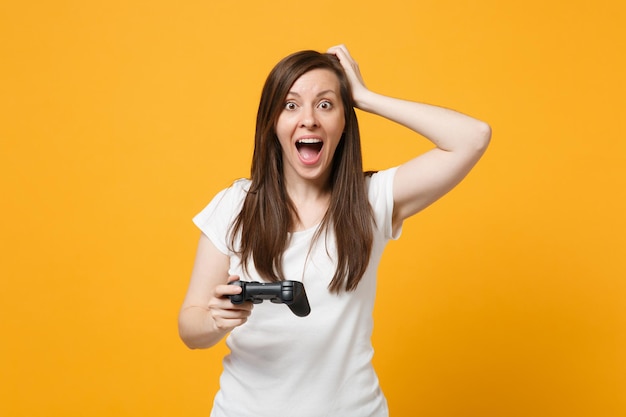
{"x": 310, "y": 126}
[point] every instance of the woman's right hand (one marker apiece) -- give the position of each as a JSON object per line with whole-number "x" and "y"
{"x": 226, "y": 315}
{"x": 207, "y": 314}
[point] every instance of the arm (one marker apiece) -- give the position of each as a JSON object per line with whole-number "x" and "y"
{"x": 207, "y": 314}
{"x": 459, "y": 143}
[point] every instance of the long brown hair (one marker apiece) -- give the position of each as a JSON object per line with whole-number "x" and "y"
{"x": 268, "y": 213}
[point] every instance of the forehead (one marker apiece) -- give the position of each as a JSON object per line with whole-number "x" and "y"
{"x": 316, "y": 81}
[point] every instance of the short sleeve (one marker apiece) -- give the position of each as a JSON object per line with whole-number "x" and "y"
{"x": 380, "y": 196}
{"x": 216, "y": 218}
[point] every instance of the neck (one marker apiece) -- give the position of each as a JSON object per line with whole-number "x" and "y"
{"x": 311, "y": 203}
{"x": 306, "y": 190}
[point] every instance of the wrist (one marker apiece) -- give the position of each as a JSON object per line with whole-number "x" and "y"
{"x": 366, "y": 100}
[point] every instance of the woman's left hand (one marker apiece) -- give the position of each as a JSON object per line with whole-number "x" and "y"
{"x": 359, "y": 90}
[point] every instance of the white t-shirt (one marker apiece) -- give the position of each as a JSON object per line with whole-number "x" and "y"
{"x": 320, "y": 365}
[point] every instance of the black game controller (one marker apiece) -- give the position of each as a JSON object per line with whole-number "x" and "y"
{"x": 287, "y": 292}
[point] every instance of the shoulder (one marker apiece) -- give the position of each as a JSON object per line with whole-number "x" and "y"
{"x": 240, "y": 186}
{"x": 379, "y": 184}
{"x": 232, "y": 194}
{"x": 226, "y": 203}
{"x": 215, "y": 219}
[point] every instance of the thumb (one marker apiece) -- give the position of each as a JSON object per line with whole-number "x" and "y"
{"x": 233, "y": 278}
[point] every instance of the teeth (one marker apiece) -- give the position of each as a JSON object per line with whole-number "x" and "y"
{"x": 309, "y": 140}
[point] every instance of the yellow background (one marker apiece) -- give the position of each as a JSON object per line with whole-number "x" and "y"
{"x": 119, "y": 120}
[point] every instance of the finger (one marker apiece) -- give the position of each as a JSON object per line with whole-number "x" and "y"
{"x": 223, "y": 307}
{"x": 342, "y": 53}
{"x": 348, "y": 63}
{"x": 233, "y": 278}
{"x": 229, "y": 324}
{"x": 233, "y": 311}
{"x": 222, "y": 291}
{"x": 226, "y": 304}
{"x": 226, "y": 289}
{"x": 227, "y": 316}
{"x": 336, "y": 48}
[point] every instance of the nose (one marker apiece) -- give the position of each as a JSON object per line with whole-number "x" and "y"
{"x": 309, "y": 119}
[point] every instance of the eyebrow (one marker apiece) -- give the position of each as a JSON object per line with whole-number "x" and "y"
{"x": 321, "y": 93}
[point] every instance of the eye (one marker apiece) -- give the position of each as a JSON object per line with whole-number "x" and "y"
{"x": 325, "y": 105}
{"x": 290, "y": 105}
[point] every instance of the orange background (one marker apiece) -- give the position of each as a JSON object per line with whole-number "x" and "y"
{"x": 119, "y": 120}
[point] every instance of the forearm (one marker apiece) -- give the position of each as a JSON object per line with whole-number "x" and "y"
{"x": 447, "y": 129}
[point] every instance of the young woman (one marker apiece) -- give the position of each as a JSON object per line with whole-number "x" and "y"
{"x": 308, "y": 213}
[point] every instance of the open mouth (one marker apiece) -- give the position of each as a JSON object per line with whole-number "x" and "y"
{"x": 309, "y": 148}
